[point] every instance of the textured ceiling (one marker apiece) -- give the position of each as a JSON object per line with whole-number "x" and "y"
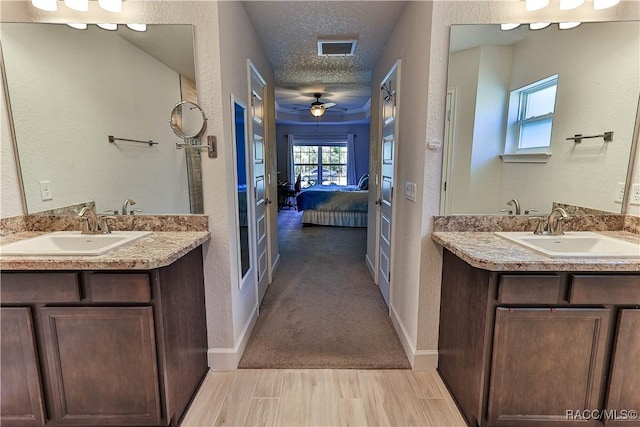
{"x": 290, "y": 30}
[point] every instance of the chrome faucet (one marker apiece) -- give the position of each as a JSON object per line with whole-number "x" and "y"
{"x": 516, "y": 204}
{"x": 552, "y": 226}
{"x": 90, "y": 225}
{"x": 126, "y": 204}
{"x": 554, "y": 221}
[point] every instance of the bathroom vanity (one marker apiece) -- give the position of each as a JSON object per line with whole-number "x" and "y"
{"x": 116, "y": 339}
{"x": 529, "y": 340}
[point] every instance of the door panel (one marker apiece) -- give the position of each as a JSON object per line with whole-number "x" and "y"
{"x": 258, "y": 89}
{"x": 388, "y": 101}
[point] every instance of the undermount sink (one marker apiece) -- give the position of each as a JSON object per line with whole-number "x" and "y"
{"x": 575, "y": 244}
{"x": 71, "y": 243}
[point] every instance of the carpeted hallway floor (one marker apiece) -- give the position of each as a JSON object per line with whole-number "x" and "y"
{"x": 323, "y": 309}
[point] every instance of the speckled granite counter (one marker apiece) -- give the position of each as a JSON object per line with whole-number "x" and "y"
{"x": 488, "y": 251}
{"x": 157, "y": 250}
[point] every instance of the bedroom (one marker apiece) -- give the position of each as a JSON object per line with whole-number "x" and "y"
{"x": 331, "y": 159}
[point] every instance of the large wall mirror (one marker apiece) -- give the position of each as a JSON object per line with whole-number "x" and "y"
{"x": 240, "y": 146}
{"x": 491, "y": 73}
{"x": 70, "y": 90}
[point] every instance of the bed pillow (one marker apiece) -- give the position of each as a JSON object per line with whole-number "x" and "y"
{"x": 364, "y": 182}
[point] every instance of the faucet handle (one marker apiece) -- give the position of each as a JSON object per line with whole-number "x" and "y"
{"x": 86, "y": 226}
{"x": 133, "y": 211}
{"x": 104, "y": 224}
{"x": 540, "y": 225}
{"x": 507, "y": 210}
{"x": 111, "y": 211}
{"x": 528, "y": 211}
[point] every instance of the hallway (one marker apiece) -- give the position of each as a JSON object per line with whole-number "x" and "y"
{"x": 322, "y": 309}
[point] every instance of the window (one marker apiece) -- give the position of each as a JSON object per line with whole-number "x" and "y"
{"x": 536, "y": 106}
{"x": 320, "y": 164}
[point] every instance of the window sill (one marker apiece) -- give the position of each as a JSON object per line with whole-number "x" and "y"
{"x": 525, "y": 158}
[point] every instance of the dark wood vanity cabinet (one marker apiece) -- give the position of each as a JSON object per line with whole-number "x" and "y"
{"x": 102, "y": 347}
{"x": 540, "y": 348}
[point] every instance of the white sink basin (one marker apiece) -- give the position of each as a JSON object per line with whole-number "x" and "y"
{"x": 71, "y": 243}
{"x": 575, "y": 244}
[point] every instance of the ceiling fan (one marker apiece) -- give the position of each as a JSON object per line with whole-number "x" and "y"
{"x": 318, "y": 108}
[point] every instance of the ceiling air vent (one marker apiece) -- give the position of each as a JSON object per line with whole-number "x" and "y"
{"x": 336, "y": 47}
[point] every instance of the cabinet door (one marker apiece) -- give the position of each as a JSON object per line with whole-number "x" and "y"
{"x": 624, "y": 386}
{"x": 102, "y": 365}
{"x": 22, "y": 402}
{"x": 546, "y": 362}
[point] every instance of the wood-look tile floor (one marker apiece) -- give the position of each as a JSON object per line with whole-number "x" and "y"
{"x": 323, "y": 397}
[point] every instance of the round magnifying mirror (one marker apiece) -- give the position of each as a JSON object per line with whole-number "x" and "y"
{"x": 188, "y": 120}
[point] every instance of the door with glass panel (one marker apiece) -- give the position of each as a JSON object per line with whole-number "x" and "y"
{"x": 388, "y": 118}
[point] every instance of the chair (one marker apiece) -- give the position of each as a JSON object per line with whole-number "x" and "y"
{"x": 291, "y": 193}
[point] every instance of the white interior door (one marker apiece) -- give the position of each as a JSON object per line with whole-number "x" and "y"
{"x": 257, "y": 87}
{"x": 388, "y": 125}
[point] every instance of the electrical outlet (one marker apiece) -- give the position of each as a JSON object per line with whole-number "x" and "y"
{"x": 619, "y": 193}
{"x": 410, "y": 191}
{"x": 634, "y": 197}
{"x": 45, "y": 190}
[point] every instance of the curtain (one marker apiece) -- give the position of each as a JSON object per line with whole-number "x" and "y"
{"x": 352, "y": 179}
{"x": 291, "y": 139}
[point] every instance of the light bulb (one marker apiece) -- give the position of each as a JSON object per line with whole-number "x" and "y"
{"x": 507, "y": 27}
{"x": 536, "y": 4}
{"x": 114, "y": 6}
{"x": 604, "y": 4}
{"x": 77, "y": 25}
{"x": 570, "y": 4}
{"x": 110, "y": 27}
{"x": 48, "y": 5}
{"x": 539, "y": 25}
{"x": 317, "y": 110}
{"x": 137, "y": 27}
{"x": 568, "y": 25}
{"x": 79, "y": 5}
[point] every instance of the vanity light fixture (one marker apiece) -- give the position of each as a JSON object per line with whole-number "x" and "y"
{"x": 539, "y": 25}
{"x": 79, "y": 5}
{"x": 568, "y": 25}
{"x": 604, "y": 4}
{"x": 77, "y": 25}
{"x": 109, "y": 27}
{"x": 570, "y": 4}
{"x": 507, "y": 27}
{"x": 114, "y": 6}
{"x": 48, "y": 5}
{"x": 536, "y": 4}
{"x": 137, "y": 27}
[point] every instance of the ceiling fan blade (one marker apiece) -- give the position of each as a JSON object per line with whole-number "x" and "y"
{"x": 328, "y": 104}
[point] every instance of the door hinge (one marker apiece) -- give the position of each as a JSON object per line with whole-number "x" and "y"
{"x": 389, "y": 278}
{"x": 391, "y": 193}
{"x": 449, "y": 115}
{"x": 255, "y": 193}
{"x": 445, "y": 186}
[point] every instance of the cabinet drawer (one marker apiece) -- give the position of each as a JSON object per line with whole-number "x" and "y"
{"x": 39, "y": 287}
{"x": 539, "y": 289}
{"x": 116, "y": 287}
{"x": 600, "y": 289}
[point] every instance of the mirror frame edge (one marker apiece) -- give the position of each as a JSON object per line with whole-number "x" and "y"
{"x": 242, "y": 279}
{"x": 12, "y": 131}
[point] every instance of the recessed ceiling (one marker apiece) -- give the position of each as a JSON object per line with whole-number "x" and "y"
{"x": 290, "y": 30}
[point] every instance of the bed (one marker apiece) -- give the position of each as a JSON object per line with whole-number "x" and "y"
{"x": 337, "y": 205}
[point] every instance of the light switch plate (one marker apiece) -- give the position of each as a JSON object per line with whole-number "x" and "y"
{"x": 410, "y": 191}
{"x": 619, "y": 193}
{"x": 634, "y": 197}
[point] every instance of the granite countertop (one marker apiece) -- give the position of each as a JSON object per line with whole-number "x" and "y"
{"x": 159, "y": 249}
{"x": 489, "y": 251}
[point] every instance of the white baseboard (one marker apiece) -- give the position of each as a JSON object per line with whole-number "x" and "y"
{"x": 227, "y": 359}
{"x": 370, "y": 266}
{"x": 420, "y": 360}
{"x": 275, "y": 266}
{"x": 425, "y": 360}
